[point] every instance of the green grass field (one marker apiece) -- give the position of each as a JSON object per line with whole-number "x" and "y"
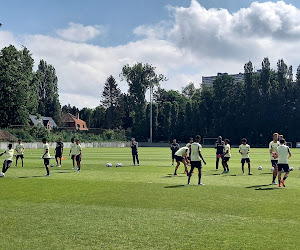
{"x": 146, "y": 207}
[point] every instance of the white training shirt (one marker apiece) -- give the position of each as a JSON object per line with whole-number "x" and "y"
{"x": 73, "y": 148}
{"x": 19, "y": 148}
{"x": 227, "y": 149}
{"x": 9, "y": 154}
{"x": 195, "y": 151}
{"x": 181, "y": 151}
{"x": 283, "y": 153}
{"x": 45, "y": 147}
{"x": 244, "y": 149}
{"x": 273, "y": 147}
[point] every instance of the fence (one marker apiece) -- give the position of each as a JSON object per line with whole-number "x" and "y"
{"x": 36, "y": 145}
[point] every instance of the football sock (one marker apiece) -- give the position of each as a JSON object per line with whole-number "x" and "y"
{"x": 284, "y": 178}
{"x": 47, "y": 169}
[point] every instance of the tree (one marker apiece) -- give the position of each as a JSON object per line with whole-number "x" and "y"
{"x": 49, "y": 104}
{"x": 112, "y": 102}
{"x": 140, "y": 77}
{"x": 189, "y": 90}
{"x": 15, "y": 89}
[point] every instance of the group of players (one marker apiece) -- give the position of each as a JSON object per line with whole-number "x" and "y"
{"x": 191, "y": 154}
{"x": 188, "y": 155}
{"x": 75, "y": 154}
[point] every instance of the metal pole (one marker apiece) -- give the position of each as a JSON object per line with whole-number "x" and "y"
{"x": 151, "y": 112}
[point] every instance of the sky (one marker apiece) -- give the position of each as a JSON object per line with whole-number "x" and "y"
{"x": 87, "y": 41}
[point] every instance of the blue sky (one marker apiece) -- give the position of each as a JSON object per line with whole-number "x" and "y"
{"x": 86, "y": 41}
{"x": 119, "y": 16}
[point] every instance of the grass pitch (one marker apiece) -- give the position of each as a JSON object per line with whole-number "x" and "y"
{"x": 146, "y": 207}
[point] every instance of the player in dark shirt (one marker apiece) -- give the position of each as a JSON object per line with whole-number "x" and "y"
{"x": 219, "y": 146}
{"x": 134, "y": 151}
{"x": 59, "y": 151}
{"x": 174, "y": 147}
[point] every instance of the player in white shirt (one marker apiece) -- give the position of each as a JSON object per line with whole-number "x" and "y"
{"x": 46, "y": 156}
{"x": 273, "y": 145}
{"x": 283, "y": 153}
{"x": 181, "y": 156}
{"x": 20, "y": 152}
{"x": 9, "y": 154}
{"x": 244, "y": 150}
{"x": 72, "y": 153}
{"x": 196, "y": 156}
{"x": 226, "y": 156}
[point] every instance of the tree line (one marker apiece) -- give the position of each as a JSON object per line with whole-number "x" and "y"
{"x": 265, "y": 102}
{"x": 24, "y": 91}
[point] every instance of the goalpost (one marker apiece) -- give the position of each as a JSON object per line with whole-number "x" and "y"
{"x": 209, "y": 141}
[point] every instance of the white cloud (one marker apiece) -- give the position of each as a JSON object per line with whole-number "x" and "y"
{"x": 77, "y": 32}
{"x": 198, "y": 43}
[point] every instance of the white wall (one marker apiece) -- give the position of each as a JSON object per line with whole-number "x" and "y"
{"x": 35, "y": 145}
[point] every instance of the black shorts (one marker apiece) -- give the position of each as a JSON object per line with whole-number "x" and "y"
{"x": 196, "y": 164}
{"x": 78, "y": 157}
{"x": 46, "y": 161}
{"x": 245, "y": 160}
{"x": 58, "y": 155}
{"x": 274, "y": 163}
{"x": 7, "y": 163}
{"x": 179, "y": 158}
{"x": 226, "y": 159}
{"x": 19, "y": 156}
{"x": 285, "y": 167}
{"x": 173, "y": 155}
{"x": 73, "y": 157}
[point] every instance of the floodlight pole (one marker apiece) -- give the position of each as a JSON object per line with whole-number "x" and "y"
{"x": 151, "y": 113}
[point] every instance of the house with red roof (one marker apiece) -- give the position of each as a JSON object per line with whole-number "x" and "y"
{"x": 73, "y": 122}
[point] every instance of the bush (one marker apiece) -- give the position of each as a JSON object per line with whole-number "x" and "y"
{"x": 37, "y": 132}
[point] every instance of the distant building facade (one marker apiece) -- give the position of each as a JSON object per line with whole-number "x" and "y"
{"x": 208, "y": 80}
{"x": 71, "y": 122}
{"x": 47, "y": 122}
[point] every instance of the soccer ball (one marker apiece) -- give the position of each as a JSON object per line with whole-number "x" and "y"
{"x": 119, "y": 165}
{"x": 108, "y": 165}
{"x": 272, "y": 169}
{"x": 259, "y": 168}
{"x": 52, "y": 165}
{"x": 291, "y": 169}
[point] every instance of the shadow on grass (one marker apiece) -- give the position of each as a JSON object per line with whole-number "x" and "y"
{"x": 164, "y": 166}
{"x": 35, "y": 176}
{"x": 266, "y": 173}
{"x": 176, "y": 186}
{"x": 61, "y": 172}
{"x": 225, "y": 175}
{"x": 173, "y": 176}
{"x": 264, "y": 187}
{"x": 259, "y": 186}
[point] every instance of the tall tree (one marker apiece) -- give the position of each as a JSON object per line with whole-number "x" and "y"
{"x": 112, "y": 98}
{"x": 189, "y": 90}
{"x": 15, "y": 90}
{"x": 139, "y": 78}
{"x": 49, "y": 104}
